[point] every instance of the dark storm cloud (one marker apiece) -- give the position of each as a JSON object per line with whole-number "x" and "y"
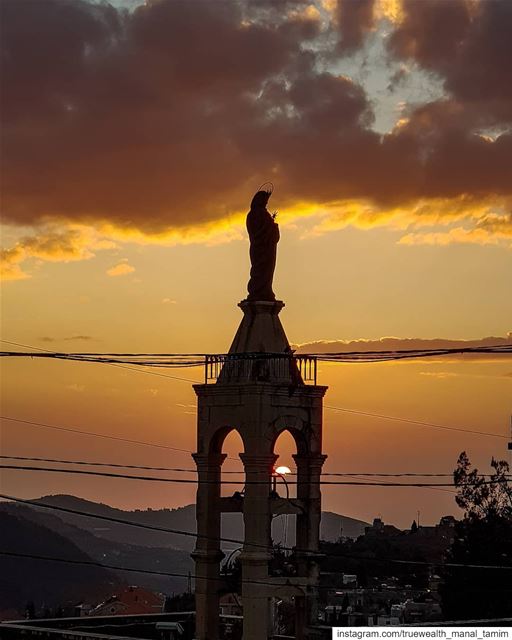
{"x": 171, "y": 115}
{"x": 469, "y": 45}
{"x": 450, "y": 159}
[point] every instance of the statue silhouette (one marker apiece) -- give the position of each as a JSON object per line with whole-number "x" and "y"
{"x": 264, "y": 236}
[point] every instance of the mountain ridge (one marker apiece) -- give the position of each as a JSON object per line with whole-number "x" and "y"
{"x": 182, "y": 518}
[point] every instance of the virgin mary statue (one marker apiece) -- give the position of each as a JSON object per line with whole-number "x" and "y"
{"x": 264, "y": 236}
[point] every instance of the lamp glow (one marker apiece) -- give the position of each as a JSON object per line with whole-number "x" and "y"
{"x": 282, "y": 471}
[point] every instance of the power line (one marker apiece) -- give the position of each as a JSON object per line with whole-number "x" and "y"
{"x": 91, "y": 563}
{"x": 153, "y": 373}
{"x": 108, "y": 464}
{"x": 125, "y": 476}
{"x": 199, "y": 359}
{"x": 353, "y": 411}
{"x": 120, "y": 366}
{"x": 342, "y": 409}
{"x": 105, "y": 474}
{"x": 430, "y": 488}
{"x": 419, "y": 423}
{"x": 372, "y": 474}
{"x": 400, "y": 354}
{"x": 239, "y": 473}
{"x": 387, "y": 475}
{"x": 25, "y": 346}
{"x": 130, "y": 523}
{"x": 103, "y": 565}
{"x": 231, "y": 540}
{"x": 46, "y": 425}
{"x": 220, "y": 578}
{"x": 92, "y": 433}
{"x": 139, "y": 525}
{"x": 190, "y": 470}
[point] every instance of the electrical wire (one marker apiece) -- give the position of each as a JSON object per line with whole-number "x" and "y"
{"x": 120, "y": 366}
{"x": 430, "y": 488}
{"x": 376, "y": 357}
{"x": 125, "y": 476}
{"x": 220, "y": 578}
{"x": 131, "y": 523}
{"x": 199, "y": 359}
{"x": 108, "y": 464}
{"x": 239, "y": 473}
{"x": 190, "y": 470}
{"x": 354, "y": 411}
{"x": 255, "y": 545}
{"x": 419, "y": 423}
{"x": 400, "y": 354}
{"x": 92, "y": 433}
{"x": 103, "y": 565}
{"x": 153, "y": 373}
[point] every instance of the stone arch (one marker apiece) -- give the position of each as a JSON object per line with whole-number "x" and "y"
{"x": 231, "y": 447}
{"x": 295, "y": 427}
{"x": 285, "y": 450}
{"x": 218, "y": 436}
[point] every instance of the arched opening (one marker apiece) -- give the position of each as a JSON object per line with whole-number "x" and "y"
{"x": 232, "y": 468}
{"x": 232, "y": 523}
{"x": 283, "y": 526}
{"x": 285, "y": 447}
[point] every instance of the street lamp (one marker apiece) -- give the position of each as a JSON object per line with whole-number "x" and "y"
{"x": 280, "y": 472}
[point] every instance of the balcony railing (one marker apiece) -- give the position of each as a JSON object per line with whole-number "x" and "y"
{"x": 260, "y": 367}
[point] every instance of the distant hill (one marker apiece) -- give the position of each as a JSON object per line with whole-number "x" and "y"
{"x": 45, "y": 583}
{"x": 115, "y": 553}
{"x": 39, "y": 531}
{"x": 183, "y": 518}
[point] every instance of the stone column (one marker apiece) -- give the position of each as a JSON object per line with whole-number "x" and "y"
{"x": 207, "y": 554}
{"x": 309, "y": 468}
{"x": 257, "y": 545}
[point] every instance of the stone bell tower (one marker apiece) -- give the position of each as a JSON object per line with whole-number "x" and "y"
{"x": 260, "y": 389}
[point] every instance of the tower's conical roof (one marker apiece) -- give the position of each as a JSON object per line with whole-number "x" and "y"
{"x": 260, "y": 351}
{"x": 261, "y": 330}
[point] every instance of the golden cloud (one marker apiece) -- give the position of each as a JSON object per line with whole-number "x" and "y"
{"x": 458, "y": 235}
{"x": 73, "y": 243}
{"x": 487, "y": 220}
{"x": 487, "y": 224}
{"x": 490, "y": 229}
{"x": 120, "y": 269}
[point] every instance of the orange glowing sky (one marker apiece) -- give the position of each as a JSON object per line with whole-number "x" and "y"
{"x": 130, "y": 155}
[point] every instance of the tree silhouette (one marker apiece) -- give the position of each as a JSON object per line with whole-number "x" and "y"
{"x": 483, "y": 537}
{"x": 481, "y": 498}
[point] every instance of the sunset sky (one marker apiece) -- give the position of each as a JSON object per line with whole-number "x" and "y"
{"x": 134, "y": 135}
